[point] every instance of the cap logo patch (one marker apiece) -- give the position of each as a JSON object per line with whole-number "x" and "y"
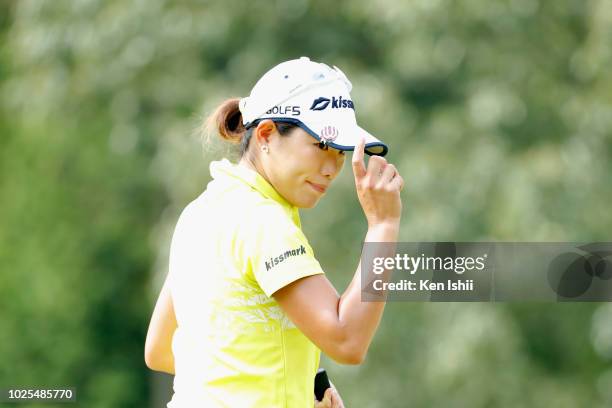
{"x": 329, "y": 133}
{"x": 321, "y": 103}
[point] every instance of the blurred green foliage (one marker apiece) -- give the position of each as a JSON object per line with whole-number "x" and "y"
{"x": 498, "y": 114}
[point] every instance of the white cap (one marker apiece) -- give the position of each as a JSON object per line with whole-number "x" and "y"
{"x": 313, "y": 96}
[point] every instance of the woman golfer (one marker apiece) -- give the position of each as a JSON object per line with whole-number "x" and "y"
{"x": 246, "y": 308}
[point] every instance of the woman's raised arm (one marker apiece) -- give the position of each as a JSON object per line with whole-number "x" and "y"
{"x": 343, "y": 326}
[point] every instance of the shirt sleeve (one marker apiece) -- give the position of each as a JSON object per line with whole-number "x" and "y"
{"x": 279, "y": 252}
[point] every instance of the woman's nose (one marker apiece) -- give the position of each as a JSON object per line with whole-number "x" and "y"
{"x": 332, "y": 164}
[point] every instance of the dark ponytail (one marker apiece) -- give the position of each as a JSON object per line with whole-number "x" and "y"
{"x": 226, "y": 120}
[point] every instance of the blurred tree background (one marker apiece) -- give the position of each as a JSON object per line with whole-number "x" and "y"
{"x": 498, "y": 114}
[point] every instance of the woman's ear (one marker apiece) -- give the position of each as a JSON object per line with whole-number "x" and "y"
{"x": 264, "y": 129}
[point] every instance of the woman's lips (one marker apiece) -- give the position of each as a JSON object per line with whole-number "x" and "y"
{"x": 317, "y": 187}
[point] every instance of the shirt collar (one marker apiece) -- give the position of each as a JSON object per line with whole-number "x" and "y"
{"x": 252, "y": 178}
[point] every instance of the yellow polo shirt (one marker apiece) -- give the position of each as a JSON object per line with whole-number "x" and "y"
{"x": 233, "y": 247}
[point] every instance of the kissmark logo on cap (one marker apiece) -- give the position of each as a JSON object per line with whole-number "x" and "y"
{"x": 321, "y": 103}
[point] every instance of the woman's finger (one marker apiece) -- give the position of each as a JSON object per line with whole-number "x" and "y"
{"x": 327, "y": 398}
{"x": 388, "y": 173}
{"x": 397, "y": 182}
{"x": 359, "y": 169}
{"x": 376, "y": 166}
{"x": 326, "y": 402}
{"x": 335, "y": 400}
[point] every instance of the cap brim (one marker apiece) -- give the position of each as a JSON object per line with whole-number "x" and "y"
{"x": 373, "y": 146}
{"x": 348, "y": 139}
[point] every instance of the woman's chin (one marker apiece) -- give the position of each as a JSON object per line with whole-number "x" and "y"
{"x": 307, "y": 201}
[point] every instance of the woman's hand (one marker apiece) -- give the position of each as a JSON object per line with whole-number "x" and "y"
{"x": 331, "y": 399}
{"x": 378, "y": 188}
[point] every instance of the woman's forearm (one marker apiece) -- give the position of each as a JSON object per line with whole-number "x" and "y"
{"x": 358, "y": 318}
